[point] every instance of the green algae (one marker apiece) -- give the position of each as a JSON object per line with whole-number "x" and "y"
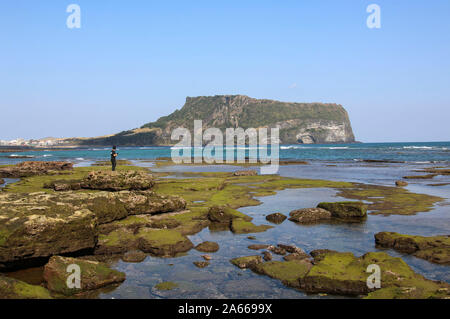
{"x": 241, "y": 226}
{"x": 166, "y": 285}
{"x": 11, "y": 288}
{"x": 36, "y": 183}
{"x": 289, "y": 272}
{"x": 390, "y": 200}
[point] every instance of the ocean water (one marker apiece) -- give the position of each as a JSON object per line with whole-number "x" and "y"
{"x": 437, "y": 152}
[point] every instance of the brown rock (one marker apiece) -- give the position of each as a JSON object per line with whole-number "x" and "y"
{"x": 245, "y": 173}
{"x": 32, "y": 168}
{"x": 401, "y": 183}
{"x": 276, "y": 218}
{"x": 201, "y": 264}
{"x": 258, "y": 246}
{"x": 267, "y": 256}
{"x": 207, "y": 247}
{"x": 309, "y": 215}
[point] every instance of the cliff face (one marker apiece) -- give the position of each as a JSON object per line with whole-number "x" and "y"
{"x": 305, "y": 123}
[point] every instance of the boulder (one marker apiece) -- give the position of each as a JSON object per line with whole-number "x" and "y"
{"x": 32, "y": 168}
{"x": 162, "y": 242}
{"x": 2, "y": 181}
{"x": 435, "y": 249}
{"x": 345, "y": 210}
{"x": 106, "y": 181}
{"x": 39, "y": 225}
{"x": 289, "y": 272}
{"x": 241, "y": 226}
{"x": 201, "y": 264}
{"x": 276, "y": 218}
{"x": 207, "y": 247}
{"x": 267, "y": 256}
{"x": 309, "y": 215}
{"x": 245, "y": 173}
{"x": 258, "y": 246}
{"x": 118, "y": 180}
{"x": 11, "y": 288}
{"x": 224, "y": 215}
{"x": 134, "y": 256}
{"x": 246, "y": 262}
{"x": 93, "y": 275}
{"x": 401, "y": 183}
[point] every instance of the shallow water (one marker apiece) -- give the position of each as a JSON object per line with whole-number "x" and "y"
{"x": 221, "y": 279}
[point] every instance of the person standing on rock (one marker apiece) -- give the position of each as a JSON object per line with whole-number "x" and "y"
{"x": 113, "y": 158}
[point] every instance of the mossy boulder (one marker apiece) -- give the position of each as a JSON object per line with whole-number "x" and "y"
{"x": 345, "y": 210}
{"x": 134, "y": 256}
{"x": 11, "y": 288}
{"x": 207, "y": 247}
{"x": 224, "y": 214}
{"x": 289, "y": 272}
{"x": 343, "y": 273}
{"x": 163, "y": 242}
{"x": 93, "y": 275}
{"x": 309, "y": 215}
{"x": 39, "y": 225}
{"x": 276, "y": 218}
{"x": 32, "y": 168}
{"x": 246, "y": 262}
{"x": 166, "y": 285}
{"x": 435, "y": 249}
{"x": 241, "y": 226}
{"x": 118, "y": 180}
{"x": 250, "y": 172}
{"x": 401, "y": 183}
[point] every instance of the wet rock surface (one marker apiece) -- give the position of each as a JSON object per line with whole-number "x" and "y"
{"x": 32, "y": 168}
{"x": 11, "y": 288}
{"x": 309, "y": 215}
{"x": 345, "y": 210}
{"x": 435, "y": 249}
{"x": 276, "y": 218}
{"x": 94, "y": 275}
{"x": 207, "y": 247}
{"x": 245, "y": 173}
{"x": 41, "y": 225}
{"x": 107, "y": 181}
{"x": 342, "y": 273}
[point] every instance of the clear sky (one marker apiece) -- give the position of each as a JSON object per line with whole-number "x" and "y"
{"x": 134, "y": 61}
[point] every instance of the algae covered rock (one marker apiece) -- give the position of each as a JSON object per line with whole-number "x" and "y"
{"x": 41, "y": 225}
{"x": 32, "y": 168}
{"x": 401, "y": 183}
{"x": 224, "y": 215}
{"x": 435, "y": 249}
{"x": 241, "y": 226}
{"x": 207, "y": 247}
{"x": 163, "y": 242}
{"x": 345, "y": 210}
{"x": 309, "y": 215}
{"x": 276, "y": 218}
{"x": 289, "y": 272}
{"x": 166, "y": 285}
{"x": 343, "y": 273}
{"x": 118, "y": 180}
{"x": 201, "y": 264}
{"x": 93, "y": 275}
{"x": 134, "y": 256}
{"x": 246, "y": 262}
{"x": 11, "y": 288}
{"x": 250, "y": 172}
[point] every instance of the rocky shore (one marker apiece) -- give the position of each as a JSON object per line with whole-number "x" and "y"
{"x": 58, "y": 215}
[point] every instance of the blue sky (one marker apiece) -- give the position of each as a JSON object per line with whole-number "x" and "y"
{"x": 134, "y": 61}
